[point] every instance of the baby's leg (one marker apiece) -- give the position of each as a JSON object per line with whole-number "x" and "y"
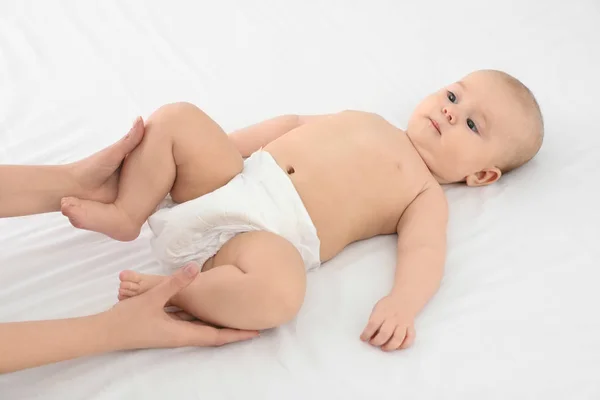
{"x": 258, "y": 282}
{"x": 183, "y": 152}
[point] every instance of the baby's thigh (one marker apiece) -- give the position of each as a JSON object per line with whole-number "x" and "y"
{"x": 205, "y": 157}
{"x": 270, "y": 258}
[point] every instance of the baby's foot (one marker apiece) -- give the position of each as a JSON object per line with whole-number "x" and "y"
{"x": 99, "y": 217}
{"x": 134, "y": 283}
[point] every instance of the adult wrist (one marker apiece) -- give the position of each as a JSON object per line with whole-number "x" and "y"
{"x": 70, "y": 175}
{"x": 112, "y": 331}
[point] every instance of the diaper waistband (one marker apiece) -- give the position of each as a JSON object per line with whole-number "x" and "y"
{"x": 262, "y": 166}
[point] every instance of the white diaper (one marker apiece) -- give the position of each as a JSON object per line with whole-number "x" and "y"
{"x": 261, "y": 197}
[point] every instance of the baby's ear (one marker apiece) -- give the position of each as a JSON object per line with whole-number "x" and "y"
{"x": 484, "y": 177}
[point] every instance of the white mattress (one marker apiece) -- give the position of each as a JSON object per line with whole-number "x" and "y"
{"x": 516, "y": 316}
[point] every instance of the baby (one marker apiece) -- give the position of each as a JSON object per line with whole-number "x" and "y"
{"x": 260, "y": 207}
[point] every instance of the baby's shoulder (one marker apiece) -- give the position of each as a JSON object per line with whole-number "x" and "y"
{"x": 359, "y": 115}
{"x": 436, "y": 195}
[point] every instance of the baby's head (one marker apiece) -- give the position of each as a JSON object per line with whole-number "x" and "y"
{"x": 478, "y": 128}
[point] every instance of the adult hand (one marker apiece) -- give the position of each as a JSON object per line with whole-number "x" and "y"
{"x": 142, "y": 322}
{"x": 35, "y": 189}
{"x": 98, "y": 175}
{"x": 135, "y": 323}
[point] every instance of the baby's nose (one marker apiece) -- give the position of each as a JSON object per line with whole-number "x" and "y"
{"x": 451, "y": 118}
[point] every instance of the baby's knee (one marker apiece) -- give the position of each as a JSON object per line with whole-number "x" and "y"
{"x": 283, "y": 301}
{"x": 165, "y": 125}
{"x": 174, "y": 115}
{"x": 185, "y": 123}
{"x": 276, "y": 270}
{"x": 288, "y": 300}
{"x": 175, "y": 110}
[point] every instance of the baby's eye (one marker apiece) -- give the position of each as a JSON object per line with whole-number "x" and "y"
{"x": 451, "y": 97}
{"x": 471, "y": 125}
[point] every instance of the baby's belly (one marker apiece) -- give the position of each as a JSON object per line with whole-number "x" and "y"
{"x": 339, "y": 204}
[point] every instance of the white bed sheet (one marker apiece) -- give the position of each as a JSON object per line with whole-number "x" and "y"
{"x": 516, "y": 316}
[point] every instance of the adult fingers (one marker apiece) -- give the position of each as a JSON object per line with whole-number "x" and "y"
{"x": 169, "y": 287}
{"x": 198, "y": 334}
{"x": 181, "y": 316}
{"x": 115, "y": 153}
{"x": 132, "y": 138}
{"x": 184, "y": 316}
{"x": 226, "y": 335}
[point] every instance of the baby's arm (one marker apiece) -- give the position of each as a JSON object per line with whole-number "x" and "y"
{"x": 421, "y": 250}
{"x": 419, "y": 270}
{"x": 250, "y": 139}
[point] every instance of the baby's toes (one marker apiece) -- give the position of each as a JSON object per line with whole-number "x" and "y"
{"x": 131, "y": 287}
{"x": 130, "y": 276}
{"x": 71, "y": 208}
{"x": 126, "y": 293}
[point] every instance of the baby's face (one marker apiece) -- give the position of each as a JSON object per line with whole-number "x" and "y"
{"x": 462, "y": 129}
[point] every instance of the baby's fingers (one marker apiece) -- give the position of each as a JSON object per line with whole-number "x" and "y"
{"x": 372, "y": 327}
{"x": 385, "y": 333}
{"x": 400, "y": 335}
{"x": 411, "y": 334}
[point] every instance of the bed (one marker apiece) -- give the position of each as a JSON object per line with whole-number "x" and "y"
{"x": 516, "y": 315}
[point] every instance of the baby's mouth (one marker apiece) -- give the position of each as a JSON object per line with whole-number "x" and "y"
{"x": 435, "y": 125}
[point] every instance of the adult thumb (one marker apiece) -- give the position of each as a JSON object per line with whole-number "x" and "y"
{"x": 114, "y": 154}
{"x": 175, "y": 283}
{"x": 130, "y": 141}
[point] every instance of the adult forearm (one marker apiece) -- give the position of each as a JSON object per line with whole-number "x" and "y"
{"x": 418, "y": 276}
{"x": 29, "y": 344}
{"x": 34, "y": 189}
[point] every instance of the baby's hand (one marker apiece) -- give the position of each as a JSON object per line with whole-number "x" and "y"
{"x": 389, "y": 326}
